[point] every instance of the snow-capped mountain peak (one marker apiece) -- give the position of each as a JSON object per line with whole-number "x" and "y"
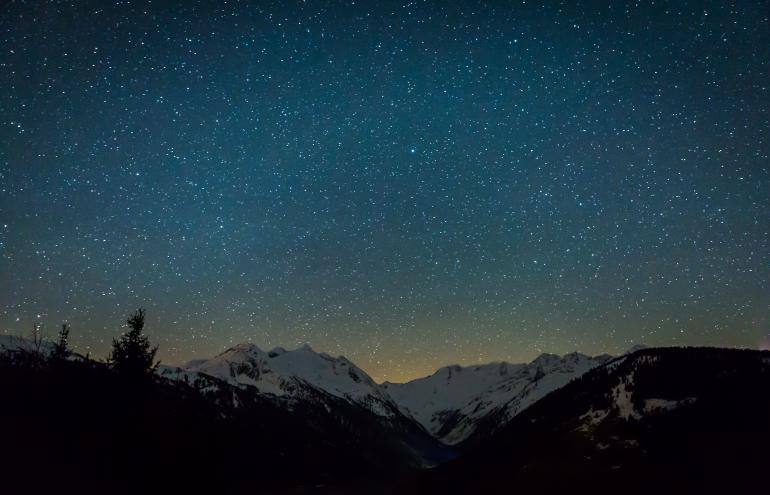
{"x": 451, "y": 402}
{"x": 284, "y": 372}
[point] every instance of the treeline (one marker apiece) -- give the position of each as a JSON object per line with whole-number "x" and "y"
{"x": 132, "y": 356}
{"x": 72, "y": 424}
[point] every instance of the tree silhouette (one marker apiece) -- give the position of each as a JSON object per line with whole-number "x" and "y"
{"x": 132, "y": 354}
{"x": 61, "y": 349}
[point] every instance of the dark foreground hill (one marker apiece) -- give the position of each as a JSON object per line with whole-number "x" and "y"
{"x": 673, "y": 420}
{"x": 77, "y": 427}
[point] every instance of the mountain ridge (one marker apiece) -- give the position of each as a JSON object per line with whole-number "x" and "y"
{"x": 666, "y": 420}
{"x": 554, "y": 424}
{"x": 452, "y": 404}
{"x": 449, "y": 404}
{"x": 455, "y": 404}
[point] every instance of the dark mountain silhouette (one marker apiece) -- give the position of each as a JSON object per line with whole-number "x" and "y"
{"x": 671, "y": 420}
{"x": 84, "y": 426}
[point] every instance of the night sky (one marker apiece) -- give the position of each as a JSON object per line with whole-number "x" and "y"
{"x": 410, "y": 184}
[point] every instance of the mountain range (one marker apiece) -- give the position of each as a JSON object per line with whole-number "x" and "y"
{"x": 666, "y": 420}
{"x": 248, "y": 420}
{"x": 450, "y": 405}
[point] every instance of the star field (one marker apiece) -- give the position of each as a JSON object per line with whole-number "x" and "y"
{"x": 409, "y": 184}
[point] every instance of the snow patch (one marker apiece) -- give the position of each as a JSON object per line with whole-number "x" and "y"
{"x": 623, "y": 403}
{"x": 661, "y": 405}
{"x": 592, "y": 419}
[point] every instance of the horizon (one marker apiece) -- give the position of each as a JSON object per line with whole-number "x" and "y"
{"x": 407, "y": 378}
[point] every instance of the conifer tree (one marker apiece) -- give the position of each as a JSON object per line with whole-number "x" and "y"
{"x": 61, "y": 349}
{"x": 132, "y": 354}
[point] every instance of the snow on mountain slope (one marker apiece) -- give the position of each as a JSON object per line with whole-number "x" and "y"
{"x": 550, "y": 373}
{"x": 449, "y": 388}
{"x": 285, "y": 373}
{"x": 452, "y": 402}
{"x": 692, "y": 419}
